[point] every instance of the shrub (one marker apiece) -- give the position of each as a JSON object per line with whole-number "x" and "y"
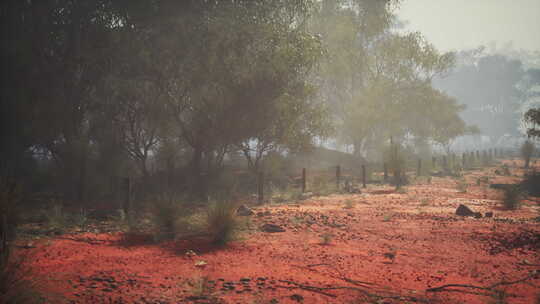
{"x": 80, "y": 219}
{"x": 462, "y": 185}
{"x": 165, "y": 213}
{"x": 222, "y": 222}
{"x": 56, "y": 218}
{"x": 326, "y": 238}
{"x": 512, "y": 197}
{"x": 199, "y": 286}
{"x": 10, "y": 198}
{"x": 322, "y": 185}
{"x": 15, "y": 283}
{"x": 287, "y": 194}
{"x": 527, "y": 150}
{"x": 531, "y": 184}
{"x": 349, "y": 204}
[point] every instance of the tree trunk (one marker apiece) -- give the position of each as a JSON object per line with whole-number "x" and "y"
{"x": 197, "y": 181}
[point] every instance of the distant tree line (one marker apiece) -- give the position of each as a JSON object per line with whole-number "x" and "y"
{"x": 498, "y": 89}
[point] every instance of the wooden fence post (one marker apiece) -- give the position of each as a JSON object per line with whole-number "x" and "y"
{"x": 364, "y": 176}
{"x": 445, "y": 163}
{"x": 303, "y": 180}
{"x": 127, "y": 195}
{"x": 419, "y": 167}
{"x": 385, "y": 172}
{"x": 338, "y": 176}
{"x": 260, "y": 188}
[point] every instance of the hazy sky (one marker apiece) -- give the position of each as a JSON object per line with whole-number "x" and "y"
{"x": 459, "y": 24}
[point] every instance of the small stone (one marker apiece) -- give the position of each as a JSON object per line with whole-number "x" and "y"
{"x": 477, "y": 215}
{"x": 489, "y": 214}
{"x": 244, "y": 210}
{"x": 271, "y": 228}
{"x": 463, "y": 210}
{"x": 297, "y": 298}
{"x": 306, "y": 195}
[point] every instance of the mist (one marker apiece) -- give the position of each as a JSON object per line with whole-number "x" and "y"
{"x": 197, "y": 134}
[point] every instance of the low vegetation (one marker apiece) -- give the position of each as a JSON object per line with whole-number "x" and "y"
{"x": 513, "y": 196}
{"x": 222, "y": 222}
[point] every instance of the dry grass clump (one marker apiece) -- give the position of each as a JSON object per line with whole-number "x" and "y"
{"x": 221, "y": 222}
{"x": 512, "y": 197}
{"x": 326, "y": 238}
{"x": 349, "y": 204}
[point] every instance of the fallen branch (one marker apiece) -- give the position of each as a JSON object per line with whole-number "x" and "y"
{"x": 322, "y": 290}
{"x": 491, "y": 288}
{"x": 309, "y": 288}
{"x": 314, "y": 265}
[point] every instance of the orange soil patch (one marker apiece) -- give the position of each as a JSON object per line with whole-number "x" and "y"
{"x": 396, "y": 245}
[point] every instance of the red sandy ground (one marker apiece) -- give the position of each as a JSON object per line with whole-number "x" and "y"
{"x": 397, "y": 244}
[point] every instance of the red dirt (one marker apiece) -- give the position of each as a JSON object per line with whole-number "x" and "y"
{"x": 400, "y": 244}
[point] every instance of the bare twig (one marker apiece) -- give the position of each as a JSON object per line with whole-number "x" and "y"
{"x": 491, "y": 288}
{"x": 322, "y": 290}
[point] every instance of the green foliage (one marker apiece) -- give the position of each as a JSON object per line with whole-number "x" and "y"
{"x": 489, "y": 71}
{"x": 482, "y": 180}
{"x": 10, "y": 199}
{"x": 349, "y": 204}
{"x": 57, "y": 218}
{"x": 326, "y": 238}
{"x": 165, "y": 213}
{"x": 387, "y": 217}
{"x": 276, "y": 169}
{"x": 322, "y": 185}
{"x": 396, "y": 164}
{"x": 16, "y": 283}
{"x": 512, "y": 197}
{"x": 289, "y": 193}
{"x": 532, "y": 116}
{"x": 199, "y": 286}
{"x": 462, "y": 185}
{"x": 80, "y": 218}
{"x": 531, "y": 184}
{"x": 222, "y": 222}
{"x": 527, "y": 150}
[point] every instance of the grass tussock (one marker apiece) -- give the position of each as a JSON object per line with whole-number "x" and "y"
{"x": 222, "y": 222}
{"x": 165, "y": 212}
{"x": 16, "y": 285}
{"x": 326, "y": 238}
{"x": 286, "y": 194}
{"x": 512, "y": 197}
{"x": 349, "y": 204}
{"x": 462, "y": 185}
{"x": 322, "y": 186}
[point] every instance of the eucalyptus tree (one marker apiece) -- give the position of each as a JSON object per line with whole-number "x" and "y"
{"x": 223, "y": 69}
{"x": 378, "y": 80}
{"x": 58, "y": 52}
